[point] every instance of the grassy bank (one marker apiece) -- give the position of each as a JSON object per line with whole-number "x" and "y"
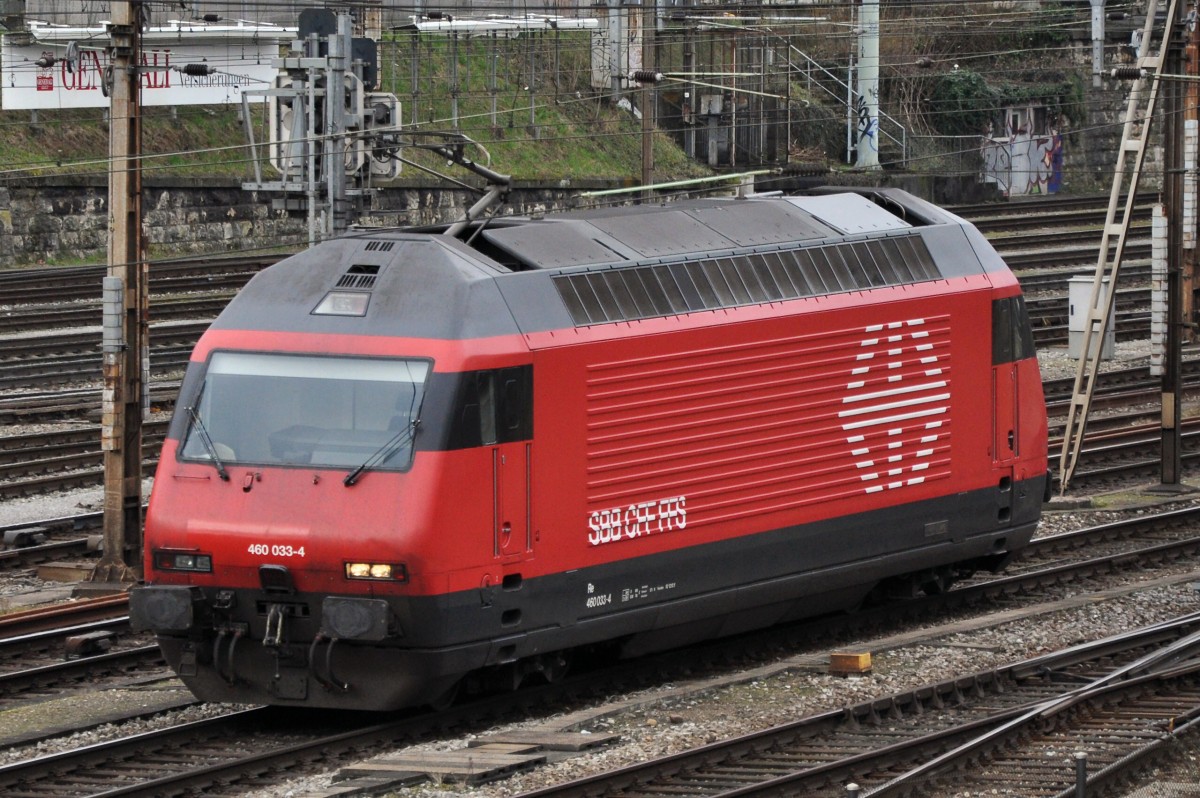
{"x": 528, "y": 102}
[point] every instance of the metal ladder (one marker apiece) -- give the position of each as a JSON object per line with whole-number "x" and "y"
{"x": 1138, "y": 116}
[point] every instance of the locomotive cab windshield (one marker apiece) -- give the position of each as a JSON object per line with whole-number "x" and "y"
{"x": 315, "y": 411}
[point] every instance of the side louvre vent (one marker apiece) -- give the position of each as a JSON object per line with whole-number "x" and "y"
{"x": 641, "y": 292}
{"x": 360, "y": 276}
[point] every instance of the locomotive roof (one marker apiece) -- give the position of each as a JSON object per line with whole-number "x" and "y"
{"x": 628, "y": 234}
{"x": 614, "y": 264}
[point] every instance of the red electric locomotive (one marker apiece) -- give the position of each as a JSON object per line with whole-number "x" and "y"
{"x": 401, "y": 459}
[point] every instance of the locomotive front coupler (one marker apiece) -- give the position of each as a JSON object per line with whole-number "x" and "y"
{"x": 273, "y": 636}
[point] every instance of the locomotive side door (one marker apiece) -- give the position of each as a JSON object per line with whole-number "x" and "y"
{"x": 1004, "y": 413}
{"x": 510, "y": 500}
{"x": 509, "y": 392}
{"x": 1006, "y": 341}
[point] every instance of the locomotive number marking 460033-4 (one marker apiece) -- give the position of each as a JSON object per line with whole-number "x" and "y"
{"x": 274, "y": 550}
{"x": 637, "y": 520}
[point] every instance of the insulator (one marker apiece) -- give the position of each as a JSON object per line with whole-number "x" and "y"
{"x": 647, "y": 76}
{"x": 46, "y": 61}
{"x": 211, "y": 18}
{"x": 197, "y": 70}
{"x": 1126, "y": 73}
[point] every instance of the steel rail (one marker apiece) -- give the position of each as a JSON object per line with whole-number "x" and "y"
{"x": 765, "y": 752}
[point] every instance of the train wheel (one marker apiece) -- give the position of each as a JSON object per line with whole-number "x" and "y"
{"x": 555, "y": 667}
{"x": 446, "y": 699}
{"x": 937, "y": 582}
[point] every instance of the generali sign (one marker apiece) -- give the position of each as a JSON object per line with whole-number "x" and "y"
{"x": 38, "y": 75}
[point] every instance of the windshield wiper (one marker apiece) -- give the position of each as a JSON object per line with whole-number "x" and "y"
{"x": 209, "y": 446}
{"x": 380, "y": 455}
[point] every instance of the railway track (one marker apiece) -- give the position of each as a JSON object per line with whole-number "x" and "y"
{"x": 85, "y": 657}
{"x": 31, "y": 287}
{"x": 71, "y": 404}
{"x": 41, "y": 619}
{"x": 38, "y": 463}
{"x": 1020, "y": 213}
{"x": 74, "y": 357}
{"x": 1129, "y": 385}
{"x": 58, "y": 316}
{"x": 1117, "y": 698}
{"x": 221, "y": 754}
{"x": 1059, "y": 238}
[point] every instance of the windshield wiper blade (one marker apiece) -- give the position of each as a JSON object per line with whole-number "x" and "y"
{"x": 381, "y": 454}
{"x": 209, "y": 446}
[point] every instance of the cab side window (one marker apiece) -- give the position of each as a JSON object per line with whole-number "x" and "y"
{"x": 493, "y": 406}
{"x": 1012, "y": 337}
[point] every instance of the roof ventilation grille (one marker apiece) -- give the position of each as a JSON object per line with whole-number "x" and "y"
{"x": 379, "y": 246}
{"x": 599, "y": 296}
{"x": 361, "y": 276}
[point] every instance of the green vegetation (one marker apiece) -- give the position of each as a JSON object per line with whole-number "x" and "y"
{"x": 199, "y": 141}
{"x": 572, "y": 132}
{"x": 958, "y": 66}
{"x": 528, "y": 101}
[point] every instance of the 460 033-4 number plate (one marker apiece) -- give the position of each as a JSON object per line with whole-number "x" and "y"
{"x": 275, "y": 550}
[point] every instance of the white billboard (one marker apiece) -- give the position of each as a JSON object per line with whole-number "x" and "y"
{"x": 36, "y": 73}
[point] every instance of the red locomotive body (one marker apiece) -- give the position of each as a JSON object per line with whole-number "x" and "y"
{"x": 400, "y": 460}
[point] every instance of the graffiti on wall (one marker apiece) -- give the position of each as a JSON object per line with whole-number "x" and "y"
{"x": 1028, "y": 157}
{"x": 866, "y": 128}
{"x": 1024, "y": 164}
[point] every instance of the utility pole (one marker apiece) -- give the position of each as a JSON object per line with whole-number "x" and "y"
{"x": 616, "y": 36}
{"x": 126, "y": 309}
{"x": 648, "y": 100}
{"x": 1191, "y": 183}
{"x": 1097, "y": 43}
{"x": 867, "y": 106}
{"x": 1172, "y": 379}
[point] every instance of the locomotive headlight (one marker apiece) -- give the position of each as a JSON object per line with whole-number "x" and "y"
{"x": 343, "y": 303}
{"x": 395, "y": 572}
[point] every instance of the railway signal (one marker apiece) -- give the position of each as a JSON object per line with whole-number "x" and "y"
{"x": 329, "y": 133}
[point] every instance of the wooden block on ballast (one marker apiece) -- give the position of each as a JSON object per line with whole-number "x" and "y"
{"x": 842, "y": 663}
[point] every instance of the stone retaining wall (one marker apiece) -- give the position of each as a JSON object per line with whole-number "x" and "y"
{"x": 65, "y": 220}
